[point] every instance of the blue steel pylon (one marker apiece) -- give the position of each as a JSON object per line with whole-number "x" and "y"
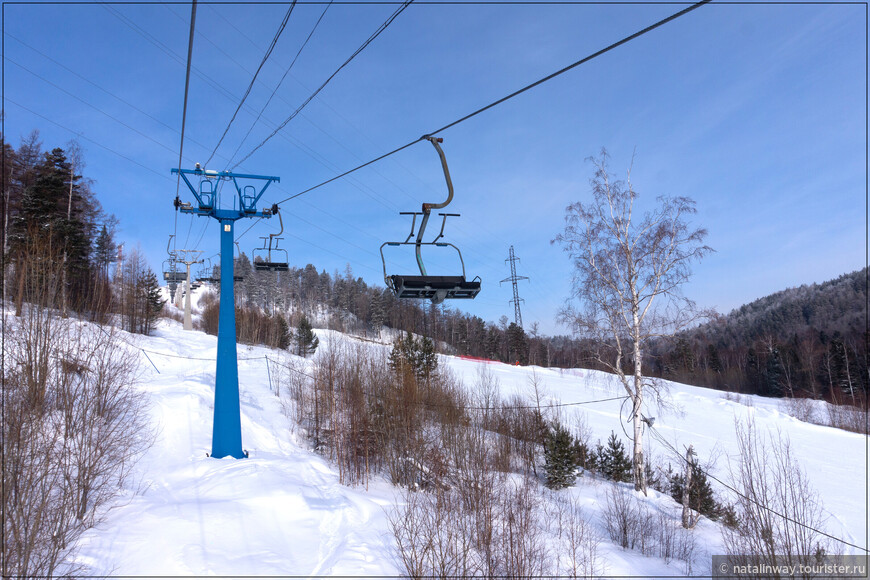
{"x": 227, "y": 428}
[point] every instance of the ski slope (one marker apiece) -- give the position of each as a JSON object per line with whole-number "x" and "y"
{"x": 283, "y": 512}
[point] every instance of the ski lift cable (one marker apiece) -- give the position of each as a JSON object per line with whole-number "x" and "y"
{"x": 518, "y": 92}
{"x": 80, "y": 135}
{"x": 184, "y": 107}
{"x": 278, "y": 86}
{"x": 661, "y": 439}
{"x": 253, "y": 80}
{"x": 362, "y": 47}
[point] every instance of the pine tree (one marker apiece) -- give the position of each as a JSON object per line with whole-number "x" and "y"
{"x": 378, "y": 313}
{"x": 715, "y": 361}
{"x": 613, "y": 461}
{"x": 414, "y": 356}
{"x": 518, "y": 344}
{"x": 105, "y": 251}
{"x": 559, "y": 460}
{"x": 306, "y": 341}
{"x": 282, "y": 332}
{"x": 701, "y": 498}
{"x": 402, "y": 355}
{"x": 153, "y": 302}
{"x": 425, "y": 359}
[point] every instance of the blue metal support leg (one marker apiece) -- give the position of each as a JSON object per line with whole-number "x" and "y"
{"x": 227, "y": 430}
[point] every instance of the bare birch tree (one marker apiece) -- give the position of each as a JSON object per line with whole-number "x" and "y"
{"x": 628, "y": 270}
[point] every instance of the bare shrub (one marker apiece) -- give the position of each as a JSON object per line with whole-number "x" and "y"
{"x": 621, "y": 516}
{"x": 447, "y": 534}
{"x": 799, "y": 408}
{"x": 770, "y": 480}
{"x": 73, "y": 428}
{"x": 522, "y": 550}
{"x": 673, "y": 541}
{"x": 848, "y": 418}
{"x": 629, "y": 522}
{"x": 578, "y": 539}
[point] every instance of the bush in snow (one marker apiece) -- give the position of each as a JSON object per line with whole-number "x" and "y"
{"x": 73, "y": 428}
{"x": 773, "y": 485}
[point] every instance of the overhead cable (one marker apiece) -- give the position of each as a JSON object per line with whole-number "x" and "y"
{"x": 659, "y": 437}
{"x": 254, "y": 79}
{"x": 184, "y": 108}
{"x": 370, "y": 39}
{"x": 278, "y": 86}
{"x": 508, "y": 97}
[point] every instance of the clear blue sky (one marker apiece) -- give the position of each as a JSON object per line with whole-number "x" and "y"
{"x": 758, "y": 112}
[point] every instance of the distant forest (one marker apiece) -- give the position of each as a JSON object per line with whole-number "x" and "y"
{"x": 809, "y": 341}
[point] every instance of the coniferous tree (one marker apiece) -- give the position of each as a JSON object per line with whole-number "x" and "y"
{"x": 559, "y": 460}
{"x": 773, "y": 373}
{"x": 426, "y": 361}
{"x": 518, "y": 345}
{"x": 150, "y": 288}
{"x": 282, "y": 332}
{"x": 613, "y": 462}
{"x": 105, "y": 251}
{"x": 306, "y": 341}
{"x": 701, "y": 498}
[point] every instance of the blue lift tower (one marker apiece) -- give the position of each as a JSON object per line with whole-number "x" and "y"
{"x": 227, "y": 429}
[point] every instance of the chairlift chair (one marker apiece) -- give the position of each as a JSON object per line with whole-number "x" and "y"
{"x": 206, "y": 274}
{"x": 268, "y": 258}
{"x": 425, "y": 286}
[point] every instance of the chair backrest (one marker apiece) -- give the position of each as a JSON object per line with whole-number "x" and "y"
{"x": 206, "y": 193}
{"x": 248, "y": 197}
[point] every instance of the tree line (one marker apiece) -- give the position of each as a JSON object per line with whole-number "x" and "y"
{"x": 809, "y": 341}
{"x": 802, "y": 342}
{"x": 59, "y": 245}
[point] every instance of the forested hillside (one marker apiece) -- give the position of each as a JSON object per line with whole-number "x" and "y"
{"x": 59, "y": 245}
{"x": 809, "y": 341}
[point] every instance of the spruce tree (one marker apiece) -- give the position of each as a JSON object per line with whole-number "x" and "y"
{"x": 153, "y": 302}
{"x": 701, "y": 498}
{"x": 306, "y": 341}
{"x": 613, "y": 461}
{"x": 559, "y": 460}
{"x": 518, "y": 345}
{"x": 282, "y": 332}
{"x": 105, "y": 251}
{"x": 425, "y": 359}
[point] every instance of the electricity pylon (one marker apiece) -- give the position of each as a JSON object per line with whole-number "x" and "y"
{"x": 227, "y": 430}
{"x": 512, "y": 258}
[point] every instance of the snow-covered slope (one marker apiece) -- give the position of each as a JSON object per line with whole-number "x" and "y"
{"x": 282, "y": 511}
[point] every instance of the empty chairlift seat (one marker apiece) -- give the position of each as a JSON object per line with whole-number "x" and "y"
{"x": 424, "y": 286}
{"x": 433, "y": 287}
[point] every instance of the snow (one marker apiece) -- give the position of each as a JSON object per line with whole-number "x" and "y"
{"x": 282, "y": 511}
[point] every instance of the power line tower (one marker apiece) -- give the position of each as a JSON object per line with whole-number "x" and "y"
{"x": 512, "y": 258}
{"x": 227, "y": 430}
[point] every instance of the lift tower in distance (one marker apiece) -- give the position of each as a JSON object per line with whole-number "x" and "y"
{"x": 227, "y": 429}
{"x": 518, "y": 316}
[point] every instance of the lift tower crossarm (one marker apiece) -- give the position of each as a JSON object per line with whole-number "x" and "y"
{"x": 210, "y": 209}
